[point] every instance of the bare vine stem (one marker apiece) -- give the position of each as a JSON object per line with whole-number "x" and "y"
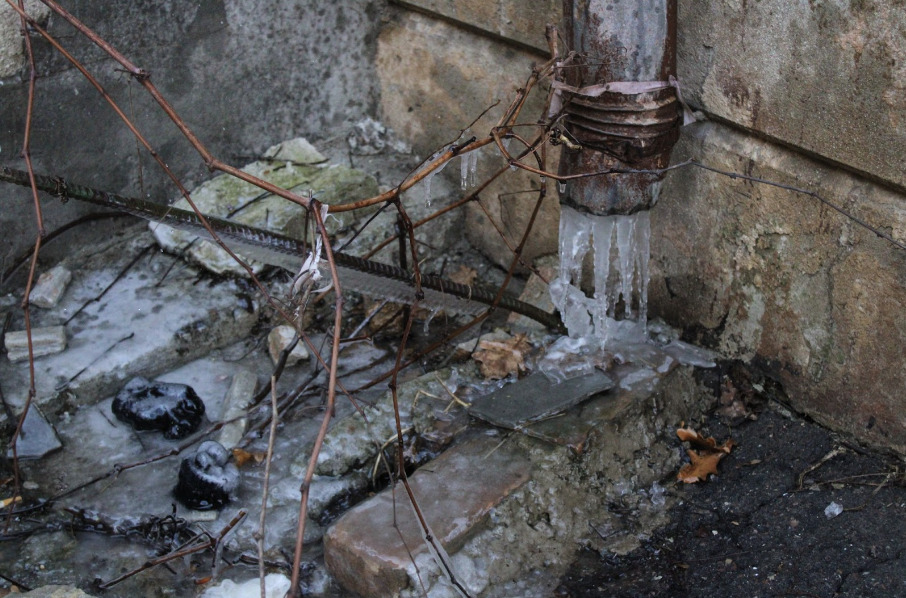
{"x": 271, "y": 439}
{"x": 39, "y": 218}
{"x": 295, "y": 591}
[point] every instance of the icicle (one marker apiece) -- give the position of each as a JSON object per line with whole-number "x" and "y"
{"x": 430, "y": 317}
{"x": 603, "y": 237}
{"x": 625, "y": 249}
{"x": 566, "y": 293}
{"x": 643, "y": 256}
{"x": 621, "y": 269}
{"x": 468, "y": 164}
{"x": 430, "y": 176}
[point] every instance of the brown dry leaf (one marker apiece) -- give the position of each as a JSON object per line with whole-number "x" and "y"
{"x": 698, "y": 441}
{"x": 705, "y": 456}
{"x": 701, "y": 467}
{"x": 499, "y": 359}
{"x": 243, "y": 456}
{"x": 464, "y": 275}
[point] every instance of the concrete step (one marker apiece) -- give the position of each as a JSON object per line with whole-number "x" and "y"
{"x": 371, "y": 556}
{"x": 513, "y": 508}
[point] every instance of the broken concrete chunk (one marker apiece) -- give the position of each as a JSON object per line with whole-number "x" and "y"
{"x": 242, "y": 390}
{"x": 174, "y": 409}
{"x": 456, "y": 496}
{"x": 290, "y": 165}
{"x": 279, "y": 339}
{"x": 353, "y": 442}
{"x": 45, "y": 341}
{"x": 50, "y": 287}
{"x": 297, "y": 150}
{"x": 38, "y": 438}
{"x": 207, "y": 479}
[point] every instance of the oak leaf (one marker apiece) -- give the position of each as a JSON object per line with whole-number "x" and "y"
{"x": 499, "y": 359}
{"x": 704, "y": 455}
{"x": 242, "y": 456}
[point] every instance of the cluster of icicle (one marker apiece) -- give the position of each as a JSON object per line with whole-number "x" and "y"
{"x": 467, "y": 169}
{"x": 621, "y": 252}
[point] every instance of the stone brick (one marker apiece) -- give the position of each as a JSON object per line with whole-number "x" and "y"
{"x": 545, "y": 486}
{"x": 364, "y": 551}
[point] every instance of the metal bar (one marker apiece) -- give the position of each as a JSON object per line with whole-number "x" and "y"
{"x": 364, "y": 276}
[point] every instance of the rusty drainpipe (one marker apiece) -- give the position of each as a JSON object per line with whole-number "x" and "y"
{"x": 618, "y": 41}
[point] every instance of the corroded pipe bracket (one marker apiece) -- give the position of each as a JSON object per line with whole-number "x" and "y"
{"x": 618, "y": 101}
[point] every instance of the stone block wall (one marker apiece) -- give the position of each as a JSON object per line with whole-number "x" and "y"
{"x": 440, "y": 65}
{"x": 805, "y": 94}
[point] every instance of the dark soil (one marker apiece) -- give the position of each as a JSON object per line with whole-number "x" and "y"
{"x": 759, "y": 529}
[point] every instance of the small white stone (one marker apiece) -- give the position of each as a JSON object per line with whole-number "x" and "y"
{"x": 280, "y": 338}
{"x": 50, "y": 287}
{"x": 45, "y": 341}
{"x": 833, "y": 510}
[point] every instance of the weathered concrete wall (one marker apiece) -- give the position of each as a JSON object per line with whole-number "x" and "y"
{"x": 766, "y": 274}
{"x": 438, "y": 72}
{"x": 828, "y": 78}
{"x": 805, "y": 93}
{"x": 243, "y": 73}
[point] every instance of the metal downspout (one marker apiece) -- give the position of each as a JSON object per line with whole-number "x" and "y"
{"x": 626, "y": 126}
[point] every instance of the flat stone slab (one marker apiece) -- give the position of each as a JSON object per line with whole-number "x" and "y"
{"x": 37, "y": 438}
{"x": 455, "y": 492}
{"x": 537, "y": 397}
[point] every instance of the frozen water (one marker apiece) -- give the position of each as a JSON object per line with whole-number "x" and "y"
{"x": 614, "y": 318}
{"x": 468, "y": 165}
{"x": 620, "y": 248}
{"x": 276, "y": 585}
{"x": 833, "y": 510}
{"x": 428, "y": 178}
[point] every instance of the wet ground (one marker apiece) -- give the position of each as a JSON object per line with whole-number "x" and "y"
{"x": 768, "y": 524}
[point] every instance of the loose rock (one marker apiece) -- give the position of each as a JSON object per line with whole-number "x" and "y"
{"x": 45, "y": 341}
{"x": 50, "y": 287}
{"x": 174, "y": 409}
{"x": 279, "y": 339}
{"x": 207, "y": 479}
